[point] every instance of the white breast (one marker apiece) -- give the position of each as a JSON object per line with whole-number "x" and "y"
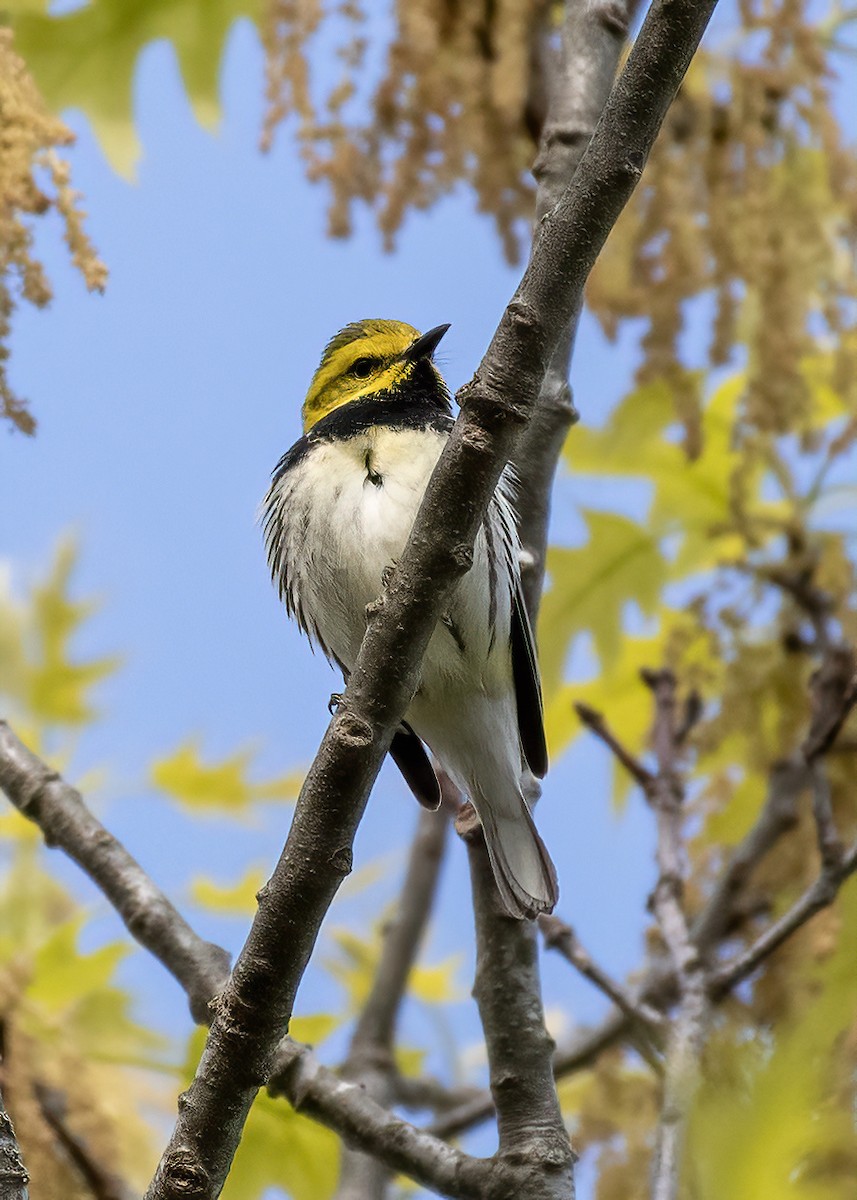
{"x": 347, "y": 509}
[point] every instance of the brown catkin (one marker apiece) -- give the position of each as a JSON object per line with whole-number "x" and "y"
{"x": 28, "y": 137}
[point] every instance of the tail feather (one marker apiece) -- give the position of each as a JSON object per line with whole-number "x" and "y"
{"x": 525, "y": 875}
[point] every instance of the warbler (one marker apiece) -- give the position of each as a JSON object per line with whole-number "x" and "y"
{"x": 336, "y": 517}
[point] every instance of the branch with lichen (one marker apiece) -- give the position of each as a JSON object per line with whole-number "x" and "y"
{"x": 13, "y": 1174}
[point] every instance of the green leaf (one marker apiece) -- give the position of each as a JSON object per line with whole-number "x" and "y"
{"x": 62, "y": 975}
{"x": 591, "y": 585}
{"x": 772, "y": 1118}
{"x": 313, "y": 1029}
{"x": 86, "y": 59}
{"x": 56, "y": 686}
{"x": 220, "y": 787}
{"x": 235, "y": 900}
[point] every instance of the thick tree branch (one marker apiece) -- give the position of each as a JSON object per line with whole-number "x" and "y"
{"x": 594, "y": 32}
{"x": 520, "y": 1051}
{"x": 295, "y": 1073}
{"x": 60, "y": 812}
{"x": 371, "y": 1061}
{"x": 14, "y": 1179}
{"x": 252, "y": 1012}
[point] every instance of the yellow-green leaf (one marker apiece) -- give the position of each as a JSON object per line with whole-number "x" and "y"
{"x": 591, "y": 585}
{"x": 236, "y": 899}
{"x": 219, "y": 787}
{"x": 62, "y": 975}
{"x": 86, "y": 59}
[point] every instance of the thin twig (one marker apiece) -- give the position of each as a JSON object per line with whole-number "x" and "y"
{"x": 596, "y": 722}
{"x": 687, "y": 1030}
{"x": 818, "y": 896}
{"x": 102, "y": 1183}
{"x": 788, "y": 780}
{"x": 647, "y": 1021}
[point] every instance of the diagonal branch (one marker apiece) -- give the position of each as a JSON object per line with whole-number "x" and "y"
{"x": 295, "y": 1073}
{"x": 647, "y": 1022}
{"x": 252, "y": 1012}
{"x": 101, "y": 1182}
{"x": 60, "y": 812}
{"x": 818, "y": 895}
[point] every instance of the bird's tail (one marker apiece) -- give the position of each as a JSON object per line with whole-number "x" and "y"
{"x": 525, "y": 875}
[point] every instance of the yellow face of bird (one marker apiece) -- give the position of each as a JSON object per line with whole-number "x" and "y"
{"x": 363, "y": 359}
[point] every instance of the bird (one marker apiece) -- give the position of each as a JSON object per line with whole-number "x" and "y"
{"x": 335, "y": 519}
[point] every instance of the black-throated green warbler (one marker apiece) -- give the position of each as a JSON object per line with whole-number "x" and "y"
{"x": 336, "y": 517}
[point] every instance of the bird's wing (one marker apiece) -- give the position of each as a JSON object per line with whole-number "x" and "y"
{"x": 525, "y": 668}
{"x": 409, "y": 755}
{"x": 528, "y": 690}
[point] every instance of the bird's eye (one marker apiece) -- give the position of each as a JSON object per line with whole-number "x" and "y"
{"x": 362, "y": 368}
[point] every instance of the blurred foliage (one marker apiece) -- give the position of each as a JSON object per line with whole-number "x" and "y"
{"x": 86, "y": 58}
{"x": 223, "y": 788}
{"x": 735, "y": 568}
{"x": 71, "y": 1039}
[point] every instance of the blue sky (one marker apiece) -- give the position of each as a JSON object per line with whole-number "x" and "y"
{"x": 163, "y": 405}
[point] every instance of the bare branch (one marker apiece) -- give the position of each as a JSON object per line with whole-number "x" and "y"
{"x": 60, "y": 812}
{"x": 371, "y": 1060}
{"x": 788, "y": 780}
{"x": 647, "y": 1021}
{"x": 520, "y": 1051}
{"x": 593, "y": 34}
{"x": 101, "y": 1182}
{"x": 14, "y": 1179}
{"x": 595, "y": 721}
{"x": 346, "y": 1108}
{"x": 834, "y": 691}
{"x": 818, "y": 896}
{"x": 253, "y": 1010}
{"x": 687, "y": 1029}
{"x": 341, "y": 1107}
